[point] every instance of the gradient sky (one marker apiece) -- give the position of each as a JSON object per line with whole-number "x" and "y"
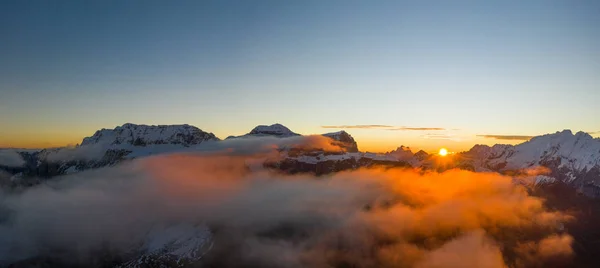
{"x": 68, "y": 68}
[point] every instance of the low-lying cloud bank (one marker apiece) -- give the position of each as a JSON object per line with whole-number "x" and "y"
{"x": 363, "y": 218}
{"x": 11, "y": 158}
{"x": 250, "y": 145}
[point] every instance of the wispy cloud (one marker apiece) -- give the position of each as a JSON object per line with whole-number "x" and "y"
{"x": 359, "y": 126}
{"x": 417, "y": 128}
{"x": 507, "y": 137}
{"x": 386, "y": 127}
{"x": 435, "y": 136}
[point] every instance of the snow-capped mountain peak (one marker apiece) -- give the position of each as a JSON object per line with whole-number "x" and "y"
{"x": 345, "y": 138}
{"x": 402, "y": 153}
{"x": 175, "y": 246}
{"x": 111, "y": 146}
{"x": 579, "y": 150}
{"x": 142, "y": 135}
{"x": 277, "y": 129}
{"x": 571, "y": 158}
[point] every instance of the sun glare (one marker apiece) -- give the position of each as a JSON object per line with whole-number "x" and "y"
{"x": 443, "y": 152}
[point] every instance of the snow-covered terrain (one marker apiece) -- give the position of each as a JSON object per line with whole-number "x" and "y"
{"x": 571, "y": 158}
{"x": 346, "y": 139}
{"x": 559, "y": 157}
{"x": 401, "y": 155}
{"x": 175, "y": 246}
{"x": 111, "y": 146}
{"x": 277, "y": 130}
{"x": 578, "y": 151}
{"x": 562, "y": 158}
{"x": 542, "y": 179}
{"x": 142, "y": 135}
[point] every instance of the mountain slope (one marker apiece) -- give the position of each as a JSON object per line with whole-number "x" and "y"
{"x": 142, "y": 135}
{"x": 277, "y": 130}
{"x": 111, "y": 146}
{"x": 571, "y": 158}
{"x": 346, "y": 140}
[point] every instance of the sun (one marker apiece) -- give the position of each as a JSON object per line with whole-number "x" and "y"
{"x": 443, "y": 152}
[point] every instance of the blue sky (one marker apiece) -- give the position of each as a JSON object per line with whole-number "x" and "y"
{"x": 469, "y": 67}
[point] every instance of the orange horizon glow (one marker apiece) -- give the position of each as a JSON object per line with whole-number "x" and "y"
{"x": 370, "y": 144}
{"x": 367, "y": 142}
{"x": 41, "y": 144}
{"x": 373, "y": 146}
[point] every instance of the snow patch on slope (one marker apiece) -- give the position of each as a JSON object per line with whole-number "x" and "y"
{"x": 175, "y": 246}
{"x": 541, "y": 179}
{"x": 272, "y": 130}
{"x": 142, "y": 135}
{"x": 578, "y": 152}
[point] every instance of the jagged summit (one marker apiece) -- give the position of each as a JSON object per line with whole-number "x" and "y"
{"x": 343, "y": 136}
{"x": 111, "y": 146}
{"x": 571, "y": 158}
{"x": 421, "y": 155}
{"x": 142, "y": 135}
{"x": 578, "y": 150}
{"x": 402, "y": 152}
{"x": 581, "y": 148}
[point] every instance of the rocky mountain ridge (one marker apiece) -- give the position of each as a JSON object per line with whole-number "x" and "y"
{"x": 569, "y": 158}
{"x": 561, "y": 159}
{"x": 142, "y": 135}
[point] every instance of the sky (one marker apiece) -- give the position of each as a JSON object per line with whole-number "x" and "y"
{"x": 426, "y": 74}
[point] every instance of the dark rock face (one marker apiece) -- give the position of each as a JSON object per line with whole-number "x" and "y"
{"x": 37, "y": 168}
{"x": 421, "y": 155}
{"x": 584, "y": 229}
{"x": 345, "y": 141}
{"x": 327, "y": 166}
{"x": 293, "y": 166}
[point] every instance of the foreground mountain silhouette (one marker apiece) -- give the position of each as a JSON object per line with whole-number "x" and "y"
{"x": 573, "y": 159}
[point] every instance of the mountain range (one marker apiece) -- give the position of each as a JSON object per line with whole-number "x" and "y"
{"x": 563, "y": 168}
{"x": 572, "y": 159}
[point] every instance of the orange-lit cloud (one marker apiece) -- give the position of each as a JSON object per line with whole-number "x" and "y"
{"x": 363, "y": 218}
{"x": 311, "y": 142}
{"x": 552, "y": 251}
{"x": 434, "y": 136}
{"x": 537, "y": 170}
{"x": 506, "y": 137}
{"x": 473, "y": 249}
